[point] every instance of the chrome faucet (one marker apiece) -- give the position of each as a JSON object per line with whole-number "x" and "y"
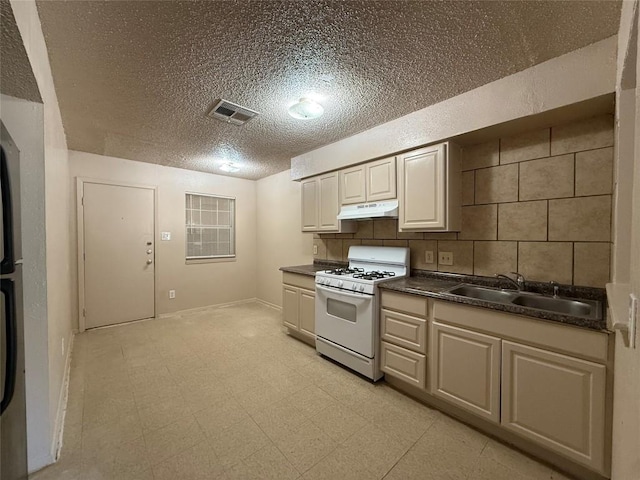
{"x": 556, "y": 288}
{"x": 518, "y": 282}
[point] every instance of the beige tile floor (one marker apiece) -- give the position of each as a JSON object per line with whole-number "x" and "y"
{"x": 225, "y": 393}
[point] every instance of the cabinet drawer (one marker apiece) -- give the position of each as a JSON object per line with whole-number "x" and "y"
{"x": 574, "y": 341}
{"x": 403, "y": 330}
{"x": 413, "y": 304}
{"x": 307, "y": 282}
{"x": 404, "y": 364}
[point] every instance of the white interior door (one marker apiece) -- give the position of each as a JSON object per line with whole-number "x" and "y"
{"x": 118, "y": 254}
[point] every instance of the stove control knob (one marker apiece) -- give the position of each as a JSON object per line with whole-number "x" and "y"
{"x": 354, "y": 286}
{"x": 362, "y": 288}
{"x": 340, "y": 283}
{"x": 320, "y": 281}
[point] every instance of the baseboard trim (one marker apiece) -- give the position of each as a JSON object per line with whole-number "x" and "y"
{"x": 268, "y": 304}
{"x": 61, "y": 414}
{"x": 207, "y": 307}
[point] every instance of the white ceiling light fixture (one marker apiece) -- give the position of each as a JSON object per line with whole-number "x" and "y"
{"x": 306, "y": 109}
{"x": 229, "y": 167}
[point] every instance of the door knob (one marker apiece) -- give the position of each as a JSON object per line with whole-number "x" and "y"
{"x": 149, "y": 252}
{"x": 149, "y": 262}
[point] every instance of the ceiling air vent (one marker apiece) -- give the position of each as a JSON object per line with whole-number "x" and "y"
{"x": 231, "y": 113}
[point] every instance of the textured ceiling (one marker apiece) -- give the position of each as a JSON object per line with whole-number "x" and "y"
{"x": 135, "y": 79}
{"x": 16, "y": 76}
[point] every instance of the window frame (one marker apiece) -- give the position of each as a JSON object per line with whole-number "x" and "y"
{"x": 232, "y": 231}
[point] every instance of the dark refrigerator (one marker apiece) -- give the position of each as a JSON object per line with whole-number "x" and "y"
{"x": 13, "y": 424}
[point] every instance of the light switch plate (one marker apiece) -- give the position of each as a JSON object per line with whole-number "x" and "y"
{"x": 315, "y": 249}
{"x": 172, "y": 294}
{"x": 445, "y": 258}
{"x": 165, "y": 236}
{"x": 428, "y": 256}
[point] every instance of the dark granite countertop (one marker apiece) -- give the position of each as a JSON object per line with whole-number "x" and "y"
{"x": 313, "y": 268}
{"x": 434, "y": 285}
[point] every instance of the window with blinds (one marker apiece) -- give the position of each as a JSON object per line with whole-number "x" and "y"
{"x": 210, "y": 226}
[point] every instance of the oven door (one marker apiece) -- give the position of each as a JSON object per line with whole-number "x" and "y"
{"x": 346, "y": 318}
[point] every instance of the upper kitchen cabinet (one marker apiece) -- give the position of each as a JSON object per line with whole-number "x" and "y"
{"x": 310, "y": 210}
{"x": 369, "y": 182}
{"x": 320, "y": 196}
{"x": 352, "y": 181}
{"x": 381, "y": 179}
{"x": 429, "y": 184}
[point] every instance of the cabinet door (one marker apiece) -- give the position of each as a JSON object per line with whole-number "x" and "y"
{"x": 555, "y": 400}
{"x": 352, "y": 185}
{"x": 310, "y": 199}
{"x": 381, "y": 179}
{"x": 307, "y": 312}
{"x": 465, "y": 370}
{"x": 422, "y": 189}
{"x": 329, "y": 207}
{"x": 290, "y": 313}
{"x": 403, "y": 364}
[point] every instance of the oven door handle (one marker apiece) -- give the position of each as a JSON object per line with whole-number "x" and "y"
{"x": 361, "y": 296}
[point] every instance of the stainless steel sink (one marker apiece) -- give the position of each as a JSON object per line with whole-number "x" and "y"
{"x": 483, "y": 293}
{"x": 582, "y": 308}
{"x": 567, "y": 306}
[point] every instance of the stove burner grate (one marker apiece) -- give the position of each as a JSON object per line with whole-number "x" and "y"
{"x": 345, "y": 271}
{"x": 374, "y": 275}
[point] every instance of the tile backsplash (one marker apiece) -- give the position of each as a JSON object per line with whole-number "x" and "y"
{"x": 538, "y": 203}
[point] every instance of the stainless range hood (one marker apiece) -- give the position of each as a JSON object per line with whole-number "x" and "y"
{"x": 363, "y": 211}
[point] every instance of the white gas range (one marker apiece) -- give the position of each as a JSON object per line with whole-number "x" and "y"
{"x": 347, "y": 306}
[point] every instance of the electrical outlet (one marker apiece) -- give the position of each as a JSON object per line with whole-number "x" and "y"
{"x": 428, "y": 256}
{"x": 172, "y": 294}
{"x": 445, "y": 258}
{"x": 165, "y": 236}
{"x": 315, "y": 249}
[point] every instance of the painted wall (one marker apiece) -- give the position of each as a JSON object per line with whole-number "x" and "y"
{"x": 626, "y": 263}
{"x": 538, "y": 203}
{"x": 546, "y": 86}
{"x": 280, "y": 241}
{"x": 196, "y": 285}
{"x": 24, "y": 122}
{"x": 57, "y": 227}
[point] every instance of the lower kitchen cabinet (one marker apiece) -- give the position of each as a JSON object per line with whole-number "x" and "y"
{"x": 404, "y": 364}
{"x": 290, "y": 311}
{"x": 544, "y": 382}
{"x": 298, "y": 304}
{"x": 465, "y": 369}
{"x": 555, "y": 400}
{"x": 403, "y": 328}
{"x": 307, "y": 309}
